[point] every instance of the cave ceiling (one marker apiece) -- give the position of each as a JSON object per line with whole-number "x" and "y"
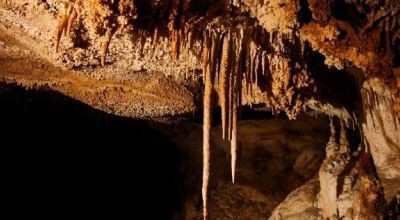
{"x": 178, "y": 58}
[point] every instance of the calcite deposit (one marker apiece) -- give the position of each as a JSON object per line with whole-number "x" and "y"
{"x": 171, "y": 60}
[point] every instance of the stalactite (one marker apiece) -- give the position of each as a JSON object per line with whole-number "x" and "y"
{"x": 256, "y": 67}
{"x": 74, "y": 14}
{"x": 141, "y": 40}
{"x": 207, "y": 117}
{"x": 230, "y": 104}
{"x": 224, "y": 80}
{"x": 236, "y": 88}
{"x": 71, "y": 20}
{"x": 213, "y": 53}
{"x": 252, "y": 67}
{"x": 103, "y": 19}
{"x": 234, "y": 132}
{"x": 189, "y": 42}
{"x": 247, "y": 69}
{"x": 343, "y": 142}
{"x": 205, "y": 56}
{"x": 175, "y": 44}
{"x": 62, "y": 22}
{"x": 265, "y": 66}
{"x": 105, "y": 44}
{"x": 238, "y": 57}
{"x": 155, "y": 40}
{"x": 184, "y": 6}
{"x": 218, "y": 56}
{"x": 176, "y": 21}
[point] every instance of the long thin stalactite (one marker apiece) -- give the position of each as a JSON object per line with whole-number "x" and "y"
{"x": 224, "y": 82}
{"x": 207, "y": 118}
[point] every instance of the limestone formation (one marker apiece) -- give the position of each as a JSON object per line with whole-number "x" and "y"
{"x": 173, "y": 59}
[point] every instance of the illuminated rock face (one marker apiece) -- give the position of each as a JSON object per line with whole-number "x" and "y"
{"x": 381, "y": 129}
{"x": 164, "y": 58}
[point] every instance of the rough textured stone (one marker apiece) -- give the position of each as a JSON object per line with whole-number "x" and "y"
{"x": 145, "y": 59}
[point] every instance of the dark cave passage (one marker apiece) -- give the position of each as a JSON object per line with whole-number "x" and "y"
{"x": 64, "y": 158}
{"x": 69, "y": 158}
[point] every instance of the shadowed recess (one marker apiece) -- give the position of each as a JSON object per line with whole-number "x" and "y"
{"x": 65, "y": 158}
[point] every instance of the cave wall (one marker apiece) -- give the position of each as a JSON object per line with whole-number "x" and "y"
{"x": 381, "y": 130}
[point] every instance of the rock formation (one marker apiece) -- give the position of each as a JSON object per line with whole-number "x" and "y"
{"x": 168, "y": 59}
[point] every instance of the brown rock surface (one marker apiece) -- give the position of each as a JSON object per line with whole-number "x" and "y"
{"x": 151, "y": 59}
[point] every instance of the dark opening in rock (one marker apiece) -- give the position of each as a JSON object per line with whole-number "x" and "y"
{"x": 66, "y": 159}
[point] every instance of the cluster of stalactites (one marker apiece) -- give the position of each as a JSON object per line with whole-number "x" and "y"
{"x": 222, "y": 65}
{"x": 233, "y": 65}
{"x": 105, "y": 17}
{"x": 371, "y": 101}
{"x": 220, "y": 53}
